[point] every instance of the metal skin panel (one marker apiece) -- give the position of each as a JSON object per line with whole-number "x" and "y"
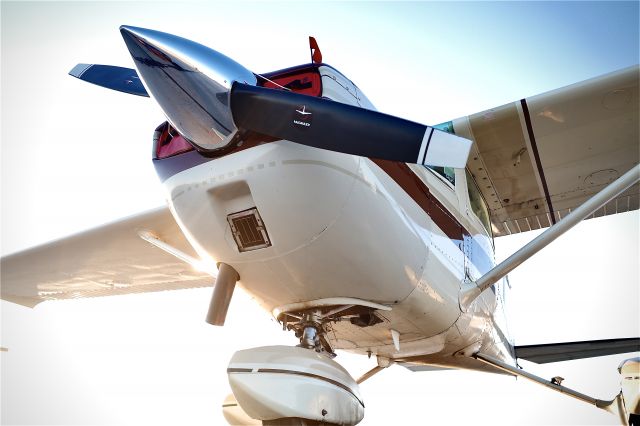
{"x": 320, "y": 236}
{"x": 498, "y": 135}
{"x": 537, "y": 159}
{"x": 590, "y": 128}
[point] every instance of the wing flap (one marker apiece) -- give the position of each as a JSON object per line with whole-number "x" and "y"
{"x": 555, "y": 352}
{"x": 108, "y": 260}
{"x": 537, "y": 159}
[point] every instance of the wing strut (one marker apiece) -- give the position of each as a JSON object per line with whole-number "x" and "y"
{"x": 226, "y": 278}
{"x": 375, "y": 370}
{"x": 472, "y": 290}
{"x": 383, "y": 363}
{"x": 200, "y": 265}
{"x": 615, "y": 406}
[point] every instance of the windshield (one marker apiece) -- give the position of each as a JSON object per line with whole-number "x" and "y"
{"x": 304, "y": 79}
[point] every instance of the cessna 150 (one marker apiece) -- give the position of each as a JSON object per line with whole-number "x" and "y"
{"x": 357, "y": 230}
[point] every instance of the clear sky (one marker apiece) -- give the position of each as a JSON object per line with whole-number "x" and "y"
{"x": 74, "y": 156}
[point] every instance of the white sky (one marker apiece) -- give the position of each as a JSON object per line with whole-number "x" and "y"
{"x": 74, "y": 156}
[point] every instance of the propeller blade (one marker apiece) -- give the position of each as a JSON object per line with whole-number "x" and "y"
{"x": 334, "y": 126}
{"x": 116, "y": 78}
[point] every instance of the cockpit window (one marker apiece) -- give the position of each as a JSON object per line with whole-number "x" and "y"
{"x": 304, "y": 80}
{"x": 478, "y": 205}
{"x": 447, "y": 173}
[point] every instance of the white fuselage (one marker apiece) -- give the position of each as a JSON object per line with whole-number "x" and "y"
{"x": 350, "y": 227}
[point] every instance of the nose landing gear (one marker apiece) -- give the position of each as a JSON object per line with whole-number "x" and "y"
{"x": 302, "y": 385}
{"x": 311, "y": 330}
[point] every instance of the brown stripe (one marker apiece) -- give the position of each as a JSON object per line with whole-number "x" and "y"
{"x": 313, "y": 376}
{"x": 536, "y": 156}
{"x": 419, "y": 192}
{"x": 239, "y": 370}
{"x": 296, "y": 373}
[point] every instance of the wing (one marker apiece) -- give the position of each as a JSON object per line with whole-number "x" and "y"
{"x": 108, "y": 260}
{"x": 538, "y": 158}
{"x": 554, "y": 352}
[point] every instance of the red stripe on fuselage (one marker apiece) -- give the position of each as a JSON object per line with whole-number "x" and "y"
{"x": 419, "y": 192}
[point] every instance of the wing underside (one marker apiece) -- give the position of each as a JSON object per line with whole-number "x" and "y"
{"x": 108, "y": 260}
{"x": 537, "y": 159}
{"x": 554, "y": 352}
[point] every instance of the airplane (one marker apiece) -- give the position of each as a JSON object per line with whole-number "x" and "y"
{"x": 351, "y": 245}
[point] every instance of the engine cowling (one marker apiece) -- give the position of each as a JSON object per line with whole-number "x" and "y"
{"x": 282, "y": 382}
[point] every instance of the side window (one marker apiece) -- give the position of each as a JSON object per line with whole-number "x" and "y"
{"x": 447, "y": 173}
{"x": 478, "y": 205}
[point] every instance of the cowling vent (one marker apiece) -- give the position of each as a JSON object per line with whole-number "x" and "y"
{"x": 248, "y": 230}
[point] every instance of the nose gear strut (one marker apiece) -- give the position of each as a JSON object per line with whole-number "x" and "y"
{"x": 311, "y": 332}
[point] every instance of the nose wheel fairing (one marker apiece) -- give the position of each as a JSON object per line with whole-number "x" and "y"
{"x": 282, "y": 382}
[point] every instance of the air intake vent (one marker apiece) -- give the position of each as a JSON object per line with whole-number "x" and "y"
{"x": 248, "y": 230}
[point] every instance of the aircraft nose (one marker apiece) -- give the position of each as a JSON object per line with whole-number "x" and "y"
{"x": 190, "y": 82}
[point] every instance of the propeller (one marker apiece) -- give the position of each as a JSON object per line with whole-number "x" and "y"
{"x": 208, "y": 98}
{"x": 334, "y": 126}
{"x": 115, "y": 78}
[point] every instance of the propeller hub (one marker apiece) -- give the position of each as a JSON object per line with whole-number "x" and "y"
{"x": 190, "y": 82}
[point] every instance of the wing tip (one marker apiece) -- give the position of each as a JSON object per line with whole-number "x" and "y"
{"x": 28, "y": 302}
{"x": 79, "y": 69}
